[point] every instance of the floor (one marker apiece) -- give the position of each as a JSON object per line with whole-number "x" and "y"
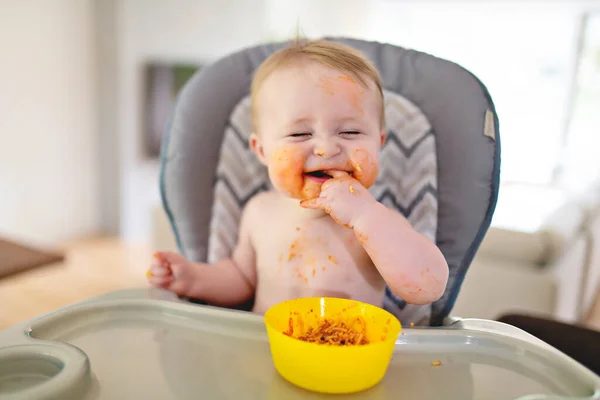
{"x": 92, "y": 267}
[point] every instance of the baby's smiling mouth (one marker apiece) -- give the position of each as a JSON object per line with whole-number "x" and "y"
{"x": 319, "y": 174}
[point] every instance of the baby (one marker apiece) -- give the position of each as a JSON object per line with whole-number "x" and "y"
{"x": 318, "y": 119}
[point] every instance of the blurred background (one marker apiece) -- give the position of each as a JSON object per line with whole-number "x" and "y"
{"x": 86, "y": 85}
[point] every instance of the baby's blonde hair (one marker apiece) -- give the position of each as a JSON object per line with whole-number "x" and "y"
{"x": 334, "y": 55}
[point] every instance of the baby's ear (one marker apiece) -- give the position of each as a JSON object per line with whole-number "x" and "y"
{"x": 257, "y": 148}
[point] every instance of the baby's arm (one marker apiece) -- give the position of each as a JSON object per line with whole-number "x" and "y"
{"x": 226, "y": 283}
{"x": 412, "y": 266}
{"x": 233, "y": 280}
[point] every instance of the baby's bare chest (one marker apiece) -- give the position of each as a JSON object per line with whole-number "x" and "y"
{"x": 314, "y": 253}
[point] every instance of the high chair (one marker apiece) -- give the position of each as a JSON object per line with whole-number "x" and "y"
{"x": 440, "y": 164}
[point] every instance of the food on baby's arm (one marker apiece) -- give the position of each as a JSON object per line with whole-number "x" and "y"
{"x": 331, "y": 332}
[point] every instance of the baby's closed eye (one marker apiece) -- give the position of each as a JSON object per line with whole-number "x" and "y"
{"x": 300, "y": 134}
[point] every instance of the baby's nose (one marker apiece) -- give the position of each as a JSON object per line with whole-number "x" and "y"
{"x": 326, "y": 149}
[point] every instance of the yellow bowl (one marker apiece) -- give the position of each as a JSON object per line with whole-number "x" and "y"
{"x": 330, "y": 368}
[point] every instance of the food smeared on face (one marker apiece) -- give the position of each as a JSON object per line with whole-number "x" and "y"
{"x": 345, "y": 86}
{"x": 288, "y": 173}
{"x": 286, "y": 170}
{"x": 366, "y": 168}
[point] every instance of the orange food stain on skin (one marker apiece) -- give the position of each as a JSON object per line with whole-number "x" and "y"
{"x": 286, "y": 170}
{"x": 314, "y": 272}
{"x": 354, "y": 93}
{"x": 346, "y": 86}
{"x": 323, "y": 268}
{"x": 365, "y": 167}
{"x": 326, "y": 85}
{"x": 362, "y": 238}
{"x": 293, "y": 253}
{"x": 333, "y": 259}
{"x": 347, "y": 78}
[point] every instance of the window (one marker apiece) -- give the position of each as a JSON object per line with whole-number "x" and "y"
{"x": 523, "y": 54}
{"x": 581, "y": 161}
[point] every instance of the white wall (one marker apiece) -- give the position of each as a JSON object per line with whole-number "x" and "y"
{"x": 108, "y": 27}
{"x": 317, "y": 18}
{"x": 182, "y": 30}
{"x": 48, "y": 158}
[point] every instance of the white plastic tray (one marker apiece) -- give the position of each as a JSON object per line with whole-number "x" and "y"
{"x": 146, "y": 344}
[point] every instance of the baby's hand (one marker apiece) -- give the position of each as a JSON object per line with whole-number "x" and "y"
{"x": 343, "y": 197}
{"x": 171, "y": 271}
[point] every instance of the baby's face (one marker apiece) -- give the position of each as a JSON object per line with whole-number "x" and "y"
{"x": 311, "y": 120}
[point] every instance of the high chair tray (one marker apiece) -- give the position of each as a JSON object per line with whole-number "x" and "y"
{"x": 147, "y": 344}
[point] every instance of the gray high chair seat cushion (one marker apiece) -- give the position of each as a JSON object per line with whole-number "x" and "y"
{"x": 443, "y": 134}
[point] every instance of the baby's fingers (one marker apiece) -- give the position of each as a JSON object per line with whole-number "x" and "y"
{"x": 160, "y": 281}
{"x": 315, "y": 203}
{"x": 159, "y": 270}
{"x": 160, "y": 266}
{"x": 337, "y": 174}
{"x": 169, "y": 257}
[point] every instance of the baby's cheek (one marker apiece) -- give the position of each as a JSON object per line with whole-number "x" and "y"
{"x": 286, "y": 168}
{"x": 366, "y": 168}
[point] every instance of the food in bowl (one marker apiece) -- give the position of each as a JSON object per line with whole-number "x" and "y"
{"x": 329, "y": 331}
